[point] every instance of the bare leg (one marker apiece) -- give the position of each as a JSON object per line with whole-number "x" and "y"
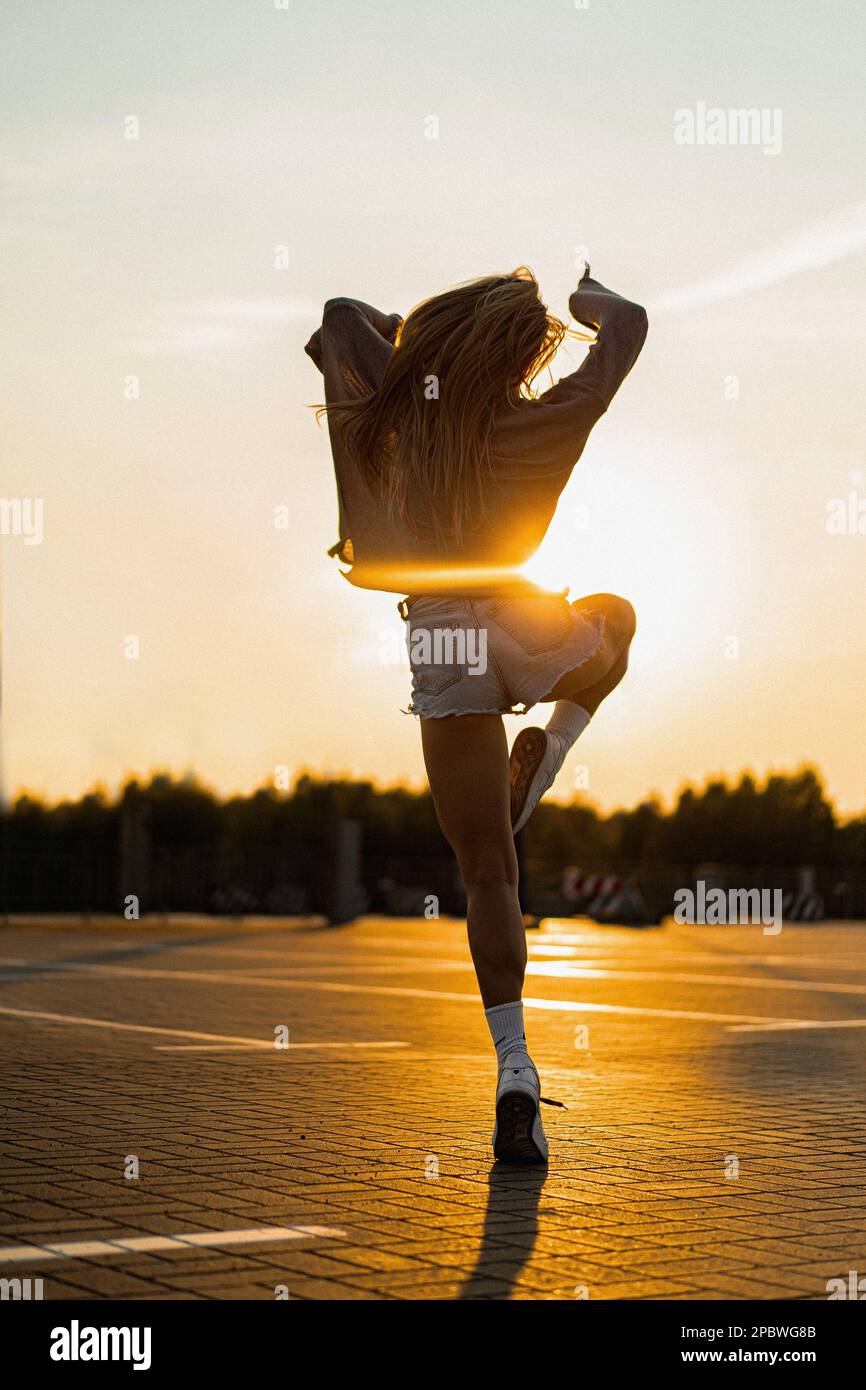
{"x": 589, "y": 684}
{"x": 538, "y": 754}
{"x": 467, "y": 765}
{"x": 591, "y": 696}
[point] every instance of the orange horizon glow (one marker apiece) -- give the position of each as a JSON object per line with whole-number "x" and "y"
{"x": 158, "y": 410}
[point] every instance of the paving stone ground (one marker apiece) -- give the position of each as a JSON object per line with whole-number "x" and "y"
{"x": 713, "y": 1144}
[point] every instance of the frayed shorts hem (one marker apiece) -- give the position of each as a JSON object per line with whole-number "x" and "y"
{"x": 532, "y": 645}
{"x": 551, "y": 678}
{"x": 449, "y": 713}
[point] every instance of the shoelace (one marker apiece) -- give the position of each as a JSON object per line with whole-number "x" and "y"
{"x": 545, "y": 1100}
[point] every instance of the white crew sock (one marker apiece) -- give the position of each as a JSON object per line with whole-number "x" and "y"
{"x": 505, "y": 1022}
{"x": 567, "y": 722}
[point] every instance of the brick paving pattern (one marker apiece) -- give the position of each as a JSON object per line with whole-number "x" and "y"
{"x": 704, "y": 1153}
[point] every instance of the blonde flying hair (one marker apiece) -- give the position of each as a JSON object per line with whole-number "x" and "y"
{"x": 483, "y": 343}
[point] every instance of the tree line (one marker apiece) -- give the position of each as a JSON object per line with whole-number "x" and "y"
{"x": 785, "y": 819}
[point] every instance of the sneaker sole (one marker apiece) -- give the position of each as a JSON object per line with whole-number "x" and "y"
{"x": 516, "y": 1114}
{"x": 527, "y": 755}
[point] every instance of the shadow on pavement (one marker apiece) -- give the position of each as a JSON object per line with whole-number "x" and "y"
{"x": 510, "y": 1228}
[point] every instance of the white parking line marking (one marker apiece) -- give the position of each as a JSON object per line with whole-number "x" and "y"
{"x": 217, "y": 1038}
{"x": 565, "y": 970}
{"x": 398, "y": 991}
{"x": 138, "y": 1245}
{"x": 330, "y": 966}
{"x": 206, "y": 1047}
{"x": 555, "y": 1005}
{"x": 543, "y": 969}
{"x": 782, "y": 1024}
{"x": 582, "y": 1006}
{"x": 257, "y": 1043}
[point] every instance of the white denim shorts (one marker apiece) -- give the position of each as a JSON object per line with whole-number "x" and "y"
{"x": 490, "y": 655}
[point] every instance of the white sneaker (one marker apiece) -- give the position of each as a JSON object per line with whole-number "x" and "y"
{"x": 518, "y": 1136}
{"x": 535, "y": 760}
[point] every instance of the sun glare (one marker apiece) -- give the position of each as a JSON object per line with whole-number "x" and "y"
{"x": 610, "y": 544}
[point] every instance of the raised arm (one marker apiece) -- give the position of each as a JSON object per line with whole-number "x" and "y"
{"x": 351, "y": 321}
{"x": 621, "y": 329}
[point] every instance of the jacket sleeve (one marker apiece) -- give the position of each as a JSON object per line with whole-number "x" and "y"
{"x": 313, "y": 349}
{"x": 621, "y": 329}
{"x": 355, "y": 324}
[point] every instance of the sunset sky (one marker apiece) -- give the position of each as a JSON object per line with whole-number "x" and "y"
{"x": 703, "y": 495}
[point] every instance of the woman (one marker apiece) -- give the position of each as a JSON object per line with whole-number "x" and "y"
{"x": 448, "y": 474}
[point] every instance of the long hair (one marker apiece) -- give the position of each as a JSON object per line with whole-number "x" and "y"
{"x": 422, "y": 439}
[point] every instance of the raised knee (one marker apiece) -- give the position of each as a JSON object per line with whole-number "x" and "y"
{"x": 628, "y": 617}
{"x": 621, "y": 616}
